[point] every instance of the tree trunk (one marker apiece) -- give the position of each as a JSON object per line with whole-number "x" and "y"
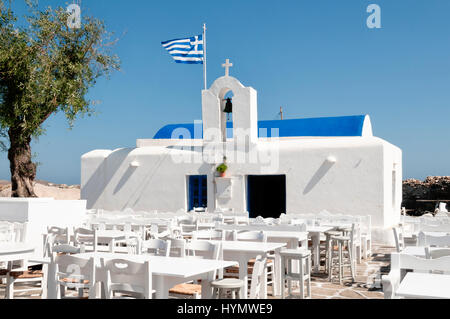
{"x": 23, "y": 170}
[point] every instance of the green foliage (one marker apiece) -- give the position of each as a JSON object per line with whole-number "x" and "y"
{"x": 222, "y": 168}
{"x": 46, "y": 68}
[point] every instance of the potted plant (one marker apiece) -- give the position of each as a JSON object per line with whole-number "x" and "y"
{"x": 221, "y": 169}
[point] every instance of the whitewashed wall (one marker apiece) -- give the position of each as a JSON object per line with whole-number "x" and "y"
{"x": 359, "y": 183}
{"x": 40, "y": 213}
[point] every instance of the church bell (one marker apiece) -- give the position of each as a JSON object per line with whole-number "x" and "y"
{"x": 228, "y": 106}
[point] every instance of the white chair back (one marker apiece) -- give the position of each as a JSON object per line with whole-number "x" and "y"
{"x": 404, "y": 261}
{"x": 433, "y": 240}
{"x": 75, "y": 272}
{"x": 257, "y": 278}
{"x": 127, "y": 276}
{"x": 436, "y": 253}
{"x": 204, "y": 249}
{"x": 62, "y": 235}
{"x": 52, "y": 246}
{"x": 241, "y": 228}
{"x": 256, "y": 236}
{"x": 398, "y": 237}
{"x": 208, "y": 235}
{"x": 86, "y": 237}
{"x": 20, "y": 232}
{"x": 444, "y": 228}
{"x": 401, "y": 262}
{"x": 177, "y": 247}
{"x": 6, "y": 232}
{"x": 156, "y": 247}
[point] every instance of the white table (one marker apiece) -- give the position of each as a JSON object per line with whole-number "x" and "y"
{"x": 314, "y": 232}
{"x": 293, "y": 240}
{"x": 15, "y": 251}
{"x": 418, "y": 251}
{"x": 205, "y": 226}
{"x": 243, "y": 251}
{"x": 424, "y": 286}
{"x": 111, "y": 237}
{"x": 167, "y": 272}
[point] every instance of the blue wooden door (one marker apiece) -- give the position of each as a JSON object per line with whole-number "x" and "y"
{"x": 198, "y": 191}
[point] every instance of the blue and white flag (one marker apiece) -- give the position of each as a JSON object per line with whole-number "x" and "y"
{"x": 187, "y": 50}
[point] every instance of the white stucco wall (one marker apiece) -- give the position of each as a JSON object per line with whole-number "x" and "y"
{"x": 40, "y": 213}
{"x": 358, "y": 183}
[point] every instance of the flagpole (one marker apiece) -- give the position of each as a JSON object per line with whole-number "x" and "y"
{"x": 204, "y": 55}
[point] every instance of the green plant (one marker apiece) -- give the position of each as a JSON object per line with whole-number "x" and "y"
{"x": 222, "y": 168}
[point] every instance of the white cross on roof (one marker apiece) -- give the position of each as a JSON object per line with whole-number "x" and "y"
{"x": 227, "y": 65}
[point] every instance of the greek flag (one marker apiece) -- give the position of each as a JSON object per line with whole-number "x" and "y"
{"x": 187, "y": 50}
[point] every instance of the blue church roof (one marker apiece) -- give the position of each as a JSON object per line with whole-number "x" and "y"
{"x": 314, "y": 127}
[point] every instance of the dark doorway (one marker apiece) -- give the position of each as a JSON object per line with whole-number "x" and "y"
{"x": 266, "y": 195}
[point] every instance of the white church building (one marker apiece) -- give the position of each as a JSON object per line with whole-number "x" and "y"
{"x": 274, "y": 167}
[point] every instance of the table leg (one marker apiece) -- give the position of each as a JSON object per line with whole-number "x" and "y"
{"x": 277, "y": 273}
{"x": 243, "y": 275}
{"x": 161, "y": 287}
{"x": 316, "y": 250}
{"x": 293, "y": 244}
{"x": 45, "y": 281}
{"x": 51, "y": 282}
{"x": 100, "y": 290}
{"x": 206, "y": 286}
{"x": 112, "y": 243}
{"x": 263, "y": 289}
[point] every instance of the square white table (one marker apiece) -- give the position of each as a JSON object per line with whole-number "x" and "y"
{"x": 314, "y": 232}
{"x": 15, "y": 251}
{"x": 243, "y": 251}
{"x": 293, "y": 240}
{"x": 167, "y": 272}
{"x": 417, "y": 251}
{"x": 424, "y": 286}
{"x": 111, "y": 237}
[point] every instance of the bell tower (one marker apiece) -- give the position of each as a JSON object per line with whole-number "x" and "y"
{"x": 244, "y": 108}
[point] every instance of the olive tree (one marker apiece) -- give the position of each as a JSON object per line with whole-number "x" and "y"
{"x": 46, "y": 67}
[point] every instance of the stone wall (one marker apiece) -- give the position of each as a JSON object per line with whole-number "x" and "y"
{"x": 433, "y": 188}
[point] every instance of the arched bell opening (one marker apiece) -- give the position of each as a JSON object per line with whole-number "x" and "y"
{"x": 226, "y": 112}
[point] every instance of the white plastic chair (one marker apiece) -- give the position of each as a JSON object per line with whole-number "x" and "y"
{"x": 196, "y": 249}
{"x": 156, "y": 247}
{"x": 233, "y": 285}
{"x": 398, "y": 237}
{"x": 208, "y": 235}
{"x": 6, "y": 232}
{"x": 401, "y": 262}
{"x": 256, "y": 236}
{"x": 435, "y": 254}
{"x": 62, "y": 235}
{"x": 253, "y": 236}
{"x": 177, "y": 247}
{"x": 74, "y": 272}
{"x": 203, "y": 249}
{"x": 35, "y": 279}
{"x": 434, "y": 241}
{"x": 86, "y": 237}
{"x": 127, "y": 277}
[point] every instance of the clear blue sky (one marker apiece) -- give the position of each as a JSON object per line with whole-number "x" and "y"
{"x": 314, "y": 58}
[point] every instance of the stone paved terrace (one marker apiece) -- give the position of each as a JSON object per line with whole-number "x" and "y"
{"x": 368, "y": 279}
{"x": 366, "y": 286}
